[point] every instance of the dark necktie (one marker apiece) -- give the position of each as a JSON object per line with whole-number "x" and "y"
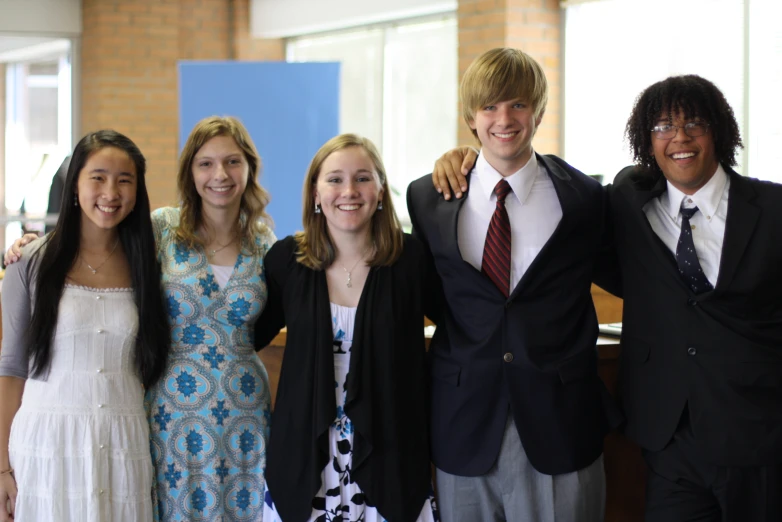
{"x": 687, "y": 258}
{"x": 496, "y": 251}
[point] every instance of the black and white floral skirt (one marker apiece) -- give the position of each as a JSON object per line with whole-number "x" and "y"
{"x": 339, "y": 498}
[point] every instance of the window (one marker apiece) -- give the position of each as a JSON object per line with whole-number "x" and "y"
{"x": 37, "y": 131}
{"x": 398, "y": 88}
{"x": 616, "y": 48}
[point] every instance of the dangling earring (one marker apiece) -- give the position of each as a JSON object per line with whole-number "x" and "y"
{"x": 75, "y": 200}
{"x": 380, "y": 206}
{"x": 317, "y": 208}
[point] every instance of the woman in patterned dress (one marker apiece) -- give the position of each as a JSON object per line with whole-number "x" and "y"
{"x": 349, "y": 439}
{"x": 209, "y": 414}
{"x": 83, "y": 332}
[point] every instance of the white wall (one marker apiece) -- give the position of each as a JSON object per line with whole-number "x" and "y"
{"x": 41, "y": 17}
{"x": 284, "y": 18}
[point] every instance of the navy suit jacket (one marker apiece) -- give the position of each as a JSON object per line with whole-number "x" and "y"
{"x": 532, "y": 354}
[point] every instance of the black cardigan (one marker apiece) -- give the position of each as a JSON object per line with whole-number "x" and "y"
{"x": 386, "y": 401}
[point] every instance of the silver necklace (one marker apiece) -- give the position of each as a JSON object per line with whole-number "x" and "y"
{"x": 95, "y": 270}
{"x": 349, "y": 282}
{"x": 212, "y": 251}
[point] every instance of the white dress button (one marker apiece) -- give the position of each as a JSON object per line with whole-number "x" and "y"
{"x": 101, "y": 492}
{"x": 100, "y": 405}
{"x": 102, "y": 446}
{"x": 99, "y": 370}
{"x": 98, "y": 298}
{"x": 99, "y": 330}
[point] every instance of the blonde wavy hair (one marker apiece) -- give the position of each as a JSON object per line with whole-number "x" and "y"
{"x": 252, "y": 208}
{"x": 315, "y": 247}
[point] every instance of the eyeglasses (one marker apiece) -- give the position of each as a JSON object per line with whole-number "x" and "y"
{"x": 693, "y": 129}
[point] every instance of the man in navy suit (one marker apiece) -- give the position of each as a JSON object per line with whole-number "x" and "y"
{"x": 518, "y": 415}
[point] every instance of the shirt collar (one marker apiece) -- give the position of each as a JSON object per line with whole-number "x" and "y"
{"x": 520, "y": 181}
{"x": 707, "y": 198}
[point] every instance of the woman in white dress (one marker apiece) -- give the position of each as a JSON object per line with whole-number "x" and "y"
{"x": 84, "y": 330}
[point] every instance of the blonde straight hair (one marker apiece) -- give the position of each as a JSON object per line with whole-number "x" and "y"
{"x": 502, "y": 74}
{"x": 315, "y": 247}
{"x": 252, "y": 208}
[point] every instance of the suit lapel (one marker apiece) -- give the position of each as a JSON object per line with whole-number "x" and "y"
{"x": 569, "y": 199}
{"x": 640, "y": 196}
{"x": 447, "y": 212}
{"x": 739, "y": 225}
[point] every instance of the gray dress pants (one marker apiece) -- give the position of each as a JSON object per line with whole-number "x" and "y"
{"x": 514, "y": 491}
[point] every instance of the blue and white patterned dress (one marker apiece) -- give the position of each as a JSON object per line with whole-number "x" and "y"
{"x": 340, "y": 499}
{"x": 209, "y": 413}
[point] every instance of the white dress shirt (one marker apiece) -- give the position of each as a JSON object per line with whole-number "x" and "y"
{"x": 708, "y": 224}
{"x": 533, "y": 209}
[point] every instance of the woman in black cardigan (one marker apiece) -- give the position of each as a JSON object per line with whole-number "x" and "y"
{"x": 349, "y": 437}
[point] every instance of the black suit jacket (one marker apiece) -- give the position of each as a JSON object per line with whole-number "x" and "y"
{"x": 547, "y": 325}
{"x": 719, "y": 352}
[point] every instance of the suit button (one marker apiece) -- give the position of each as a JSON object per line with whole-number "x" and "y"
{"x": 508, "y": 357}
{"x": 692, "y": 302}
{"x": 691, "y": 350}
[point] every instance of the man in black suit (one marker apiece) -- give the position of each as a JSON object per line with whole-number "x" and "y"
{"x": 518, "y": 414}
{"x": 699, "y": 252}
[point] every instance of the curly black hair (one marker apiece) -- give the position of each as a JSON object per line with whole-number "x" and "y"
{"x": 694, "y": 97}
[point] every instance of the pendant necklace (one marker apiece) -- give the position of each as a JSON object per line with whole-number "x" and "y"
{"x": 95, "y": 270}
{"x": 212, "y": 251}
{"x": 349, "y": 282}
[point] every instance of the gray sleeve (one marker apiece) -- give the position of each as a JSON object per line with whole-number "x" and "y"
{"x": 17, "y": 312}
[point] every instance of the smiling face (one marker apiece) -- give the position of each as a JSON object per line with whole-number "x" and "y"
{"x": 506, "y": 130}
{"x": 348, "y": 191}
{"x": 688, "y": 163}
{"x": 106, "y": 188}
{"x": 220, "y": 173}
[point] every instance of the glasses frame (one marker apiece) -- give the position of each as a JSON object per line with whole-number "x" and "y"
{"x": 687, "y": 128}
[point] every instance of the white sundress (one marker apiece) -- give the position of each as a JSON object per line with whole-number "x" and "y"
{"x": 80, "y": 440}
{"x": 339, "y": 498}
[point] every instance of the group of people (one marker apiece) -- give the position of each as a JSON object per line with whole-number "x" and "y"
{"x": 131, "y": 389}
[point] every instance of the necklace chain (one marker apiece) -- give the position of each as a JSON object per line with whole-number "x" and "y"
{"x": 349, "y": 282}
{"x": 212, "y": 251}
{"x": 95, "y": 269}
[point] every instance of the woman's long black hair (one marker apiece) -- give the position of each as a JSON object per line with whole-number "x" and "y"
{"x": 53, "y": 263}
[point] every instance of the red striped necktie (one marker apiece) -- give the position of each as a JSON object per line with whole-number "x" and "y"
{"x": 496, "y": 251}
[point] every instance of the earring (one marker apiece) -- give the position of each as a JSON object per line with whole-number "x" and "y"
{"x": 317, "y": 208}
{"x": 380, "y": 206}
{"x": 75, "y": 200}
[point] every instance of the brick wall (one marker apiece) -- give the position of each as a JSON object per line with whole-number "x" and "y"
{"x": 530, "y": 25}
{"x": 130, "y": 50}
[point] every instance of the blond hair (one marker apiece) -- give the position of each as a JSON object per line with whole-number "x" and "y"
{"x": 502, "y": 74}
{"x": 315, "y": 247}
{"x": 252, "y": 207}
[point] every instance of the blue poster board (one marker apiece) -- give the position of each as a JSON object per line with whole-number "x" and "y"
{"x": 290, "y": 110}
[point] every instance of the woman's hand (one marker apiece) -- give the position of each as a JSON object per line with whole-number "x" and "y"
{"x": 7, "y": 497}
{"x": 450, "y": 171}
{"x": 14, "y": 253}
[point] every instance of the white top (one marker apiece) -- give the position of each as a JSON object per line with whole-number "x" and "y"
{"x": 222, "y": 274}
{"x": 533, "y": 209}
{"x": 708, "y": 224}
